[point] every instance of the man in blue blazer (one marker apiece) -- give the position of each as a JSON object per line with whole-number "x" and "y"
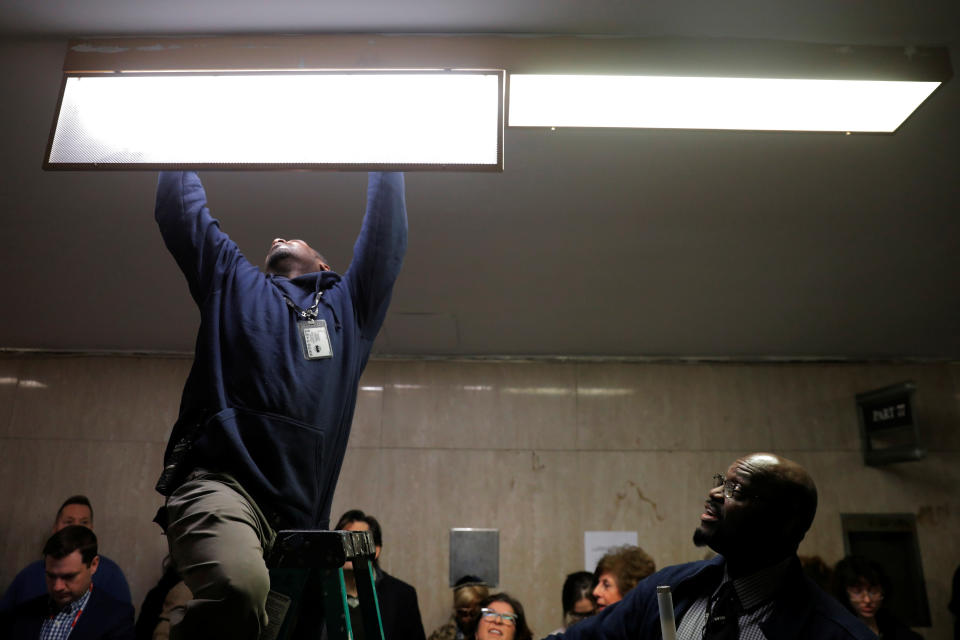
{"x": 72, "y": 608}
{"x": 754, "y": 517}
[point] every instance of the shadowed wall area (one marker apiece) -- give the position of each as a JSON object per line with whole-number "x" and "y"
{"x": 541, "y": 450}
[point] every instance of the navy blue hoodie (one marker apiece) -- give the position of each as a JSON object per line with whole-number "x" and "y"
{"x": 253, "y": 406}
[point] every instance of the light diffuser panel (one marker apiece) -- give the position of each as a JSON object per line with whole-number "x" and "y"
{"x": 766, "y": 104}
{"x": 355, "y": 120}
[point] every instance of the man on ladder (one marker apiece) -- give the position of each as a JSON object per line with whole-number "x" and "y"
{"x": 267, "y": 407}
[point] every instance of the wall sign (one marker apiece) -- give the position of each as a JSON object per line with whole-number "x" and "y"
{"x": 888, "y": 426}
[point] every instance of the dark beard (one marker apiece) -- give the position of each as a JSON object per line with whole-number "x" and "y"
{"x": 277, "y": 260}
{"x": 700, "y": 538}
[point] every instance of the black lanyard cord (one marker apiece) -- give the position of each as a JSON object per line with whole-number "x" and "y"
{"x": 309, "y": 313}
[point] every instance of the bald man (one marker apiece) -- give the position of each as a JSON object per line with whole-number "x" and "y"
{"x": 755, "y": 516}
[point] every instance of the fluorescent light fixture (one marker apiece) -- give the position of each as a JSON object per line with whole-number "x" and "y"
{"x": 675, "y": 102}
{"x": 251, "y": 120}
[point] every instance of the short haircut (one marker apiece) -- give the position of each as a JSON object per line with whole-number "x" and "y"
{"x": 628, "y": 564}
{"x": 76, "y": 537}
{"x": 356, "y": 515}
{"x": 576, "y": 587}
{"x": 522, "y": 630}
{"x": 77, "y": 499}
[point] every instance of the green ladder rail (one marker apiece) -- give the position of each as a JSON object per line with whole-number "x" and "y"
{"x": 299, "y": 560}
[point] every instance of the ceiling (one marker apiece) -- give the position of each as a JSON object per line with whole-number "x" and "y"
{"x": 676, "y": 244}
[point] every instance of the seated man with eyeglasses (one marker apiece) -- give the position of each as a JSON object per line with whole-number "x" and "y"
{"x": 755, "y": 517}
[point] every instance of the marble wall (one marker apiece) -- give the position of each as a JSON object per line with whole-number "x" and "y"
{"x": 540, "y": 450}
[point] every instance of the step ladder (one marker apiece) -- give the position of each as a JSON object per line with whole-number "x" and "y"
{"x": 307, "y": 585}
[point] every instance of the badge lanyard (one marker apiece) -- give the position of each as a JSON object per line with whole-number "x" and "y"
{"x": 314, "y": 338}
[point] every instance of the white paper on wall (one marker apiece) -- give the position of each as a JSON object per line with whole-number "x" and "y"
{"x": 597, "y": 543}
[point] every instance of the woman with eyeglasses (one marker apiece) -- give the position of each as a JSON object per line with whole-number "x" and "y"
{"x": 501, "y": 618}
{"x": 862, "y": 586}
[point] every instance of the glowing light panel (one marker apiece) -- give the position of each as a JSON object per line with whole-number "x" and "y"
{"x": 713, "y": 103}
{"x": 312, "y": 119}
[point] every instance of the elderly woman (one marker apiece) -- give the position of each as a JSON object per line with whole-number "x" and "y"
{"x": 862, "y": 587}
{"x": 502, "y": 618}
{"x": 619, "y": 571}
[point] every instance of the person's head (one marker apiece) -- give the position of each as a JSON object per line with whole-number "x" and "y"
{"x": 758, "y": 511}
{"x": 357, "y": 520}
{"x": 577, "y": 597}
{"x": 502, "y": 618}
{"x": 292, "y": 258}
{"x": 74, "y": 510}
{"x": 618, "y": 571}
{"x": 70, "y": 559}
{"x": 861, "y": 585}
{"x": 467, "y": 594}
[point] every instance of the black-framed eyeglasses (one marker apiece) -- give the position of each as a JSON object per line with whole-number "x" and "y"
{"x": 731, "y": 488}
{"x": 506, "y": 618}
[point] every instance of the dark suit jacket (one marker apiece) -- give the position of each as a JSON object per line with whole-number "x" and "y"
{"x": 104, "y": 618}
{"x": 399, "y": 610}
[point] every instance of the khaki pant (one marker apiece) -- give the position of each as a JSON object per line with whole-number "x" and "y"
{"x": 218, "y": 537}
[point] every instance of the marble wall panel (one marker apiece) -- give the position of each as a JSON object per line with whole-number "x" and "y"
{"x": 361, "y": 484}
{"x": 937, "y": 405}
{"x": 368, "y": 416}
{"x": 98, "y": 398}
{"x": 813, "y": 407}
{"x": 458, "y": 404}
{"x": 732, "y": 402}
{"x": 674, "y": 407}
{"x": 638, "y": 407}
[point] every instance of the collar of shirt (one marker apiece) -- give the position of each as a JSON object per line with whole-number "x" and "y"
{"x": 759, "y": 587}
{"x": 72, "y": 607}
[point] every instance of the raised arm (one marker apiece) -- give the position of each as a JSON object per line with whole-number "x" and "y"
{"x": 191, "y": 234}
{"x": 634, "y": 617}
{"x": 379, "y": 250}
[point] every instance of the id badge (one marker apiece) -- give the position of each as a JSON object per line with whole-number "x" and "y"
{"x": 314, "y": 339}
